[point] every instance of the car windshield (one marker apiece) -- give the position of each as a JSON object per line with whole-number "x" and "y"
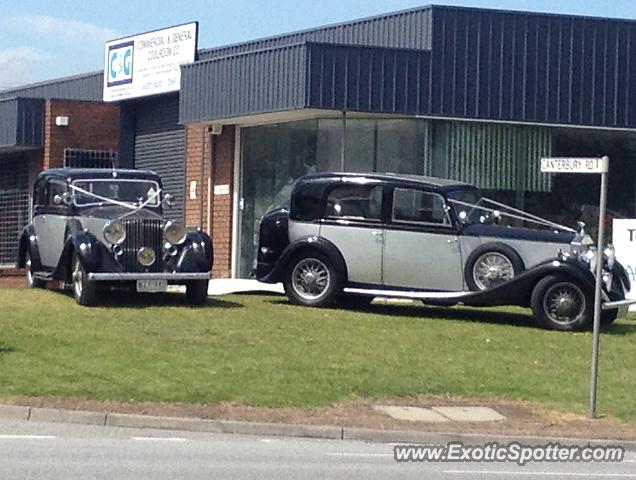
{"x": 467, "y": 203}
{"x": 111, "y": 191}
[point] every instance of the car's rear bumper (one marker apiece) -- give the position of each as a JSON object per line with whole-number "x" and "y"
{"x": 171, "y": 277}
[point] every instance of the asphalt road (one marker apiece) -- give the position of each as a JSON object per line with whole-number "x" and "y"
{"x": 30, "y": 450}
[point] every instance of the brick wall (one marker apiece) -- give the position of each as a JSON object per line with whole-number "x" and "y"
{"x": 214, "y": 155}
{"x": 92, "y": 125}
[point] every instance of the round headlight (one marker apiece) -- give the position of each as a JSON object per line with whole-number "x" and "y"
{"x": 146, "y": 256}
{"x": 609, "y": 253}
{"x": 175, "y": 233}
{"x": 114, "y": 233}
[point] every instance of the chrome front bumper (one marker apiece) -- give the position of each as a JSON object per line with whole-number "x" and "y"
{"x": 622, "y": 305}
{"x": 177, "y": 277}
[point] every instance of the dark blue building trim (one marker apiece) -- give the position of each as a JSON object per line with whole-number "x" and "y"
{"x": 21, "y": 122}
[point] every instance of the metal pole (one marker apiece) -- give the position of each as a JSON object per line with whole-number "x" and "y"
{"x": 597, "y": 291}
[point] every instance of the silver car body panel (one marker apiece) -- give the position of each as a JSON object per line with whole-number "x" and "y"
{"x": 302, "y": 229}
{"x": 423, "y": 260}
{"x": 50, "y": 229}
{"x": 361, "y": 247}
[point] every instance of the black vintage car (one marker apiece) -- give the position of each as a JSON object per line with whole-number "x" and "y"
{"x": 97, "y": 228}
{"x": 349, "y": 237}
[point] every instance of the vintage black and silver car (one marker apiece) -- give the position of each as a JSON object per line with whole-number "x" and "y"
{"x": 95, "y": 228}
{"x": 351, "y": 237}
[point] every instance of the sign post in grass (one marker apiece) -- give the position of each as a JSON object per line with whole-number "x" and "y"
{"x": 600, "y": 166}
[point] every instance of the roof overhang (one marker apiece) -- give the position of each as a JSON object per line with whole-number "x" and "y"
{"x": 314, "y": 76}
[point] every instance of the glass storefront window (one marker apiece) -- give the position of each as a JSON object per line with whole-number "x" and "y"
{"x": 274, "y": 156}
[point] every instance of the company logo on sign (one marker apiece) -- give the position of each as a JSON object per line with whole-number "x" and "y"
{"x": 120, "y": 64}
{"x": 148, "y": 63}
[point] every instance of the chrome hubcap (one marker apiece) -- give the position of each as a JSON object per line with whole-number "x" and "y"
{"x": 310, "y": 278}
{"x": 492, "y": 269}
{"x": 564, "y": 303}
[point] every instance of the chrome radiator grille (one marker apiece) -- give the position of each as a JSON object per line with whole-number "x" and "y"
{"x": 142, "y": 233}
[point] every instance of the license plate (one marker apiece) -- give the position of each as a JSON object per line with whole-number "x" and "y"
{"x": 152, "y": 286}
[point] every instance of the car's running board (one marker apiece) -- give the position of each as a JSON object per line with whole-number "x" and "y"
{"x": 408, "y": 294}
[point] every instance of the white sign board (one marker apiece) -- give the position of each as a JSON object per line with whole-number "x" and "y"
{"x": 148, "y": 64}
{"x": 574, "y": 165}
{"x": 221, "y": 189}
{"x": 624, "y": 240}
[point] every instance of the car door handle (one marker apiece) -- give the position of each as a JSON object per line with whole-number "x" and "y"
{"x": 377, "y": 233}
{"x": 452, "y": 240}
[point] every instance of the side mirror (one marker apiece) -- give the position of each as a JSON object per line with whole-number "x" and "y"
{"x": 168, "y": 199}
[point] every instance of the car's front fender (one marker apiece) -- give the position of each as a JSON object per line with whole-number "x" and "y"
{"x": 519, "y": 290}
{"x": 87, "y": 247}
{"x": 29, "y": 243}
{"x": 196, "y": 254}
{"x": 314, "y": 243}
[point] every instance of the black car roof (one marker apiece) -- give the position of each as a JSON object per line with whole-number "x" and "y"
{"x": 422, "y": 180}
{"x": 84, "y": 173}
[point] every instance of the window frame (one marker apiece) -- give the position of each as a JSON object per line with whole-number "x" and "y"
{"x": 446, "y": 224}
{"x": 350, "y": 219}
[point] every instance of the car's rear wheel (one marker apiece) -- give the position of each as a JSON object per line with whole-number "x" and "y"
{"x": 84, "y": 290}
{"x": 491, "y": 265}
{"x": 312, "y": 281}
{"x": 31, "y": 280}
{"x": 197, "y": 292}
{"x": 560, "y": 303}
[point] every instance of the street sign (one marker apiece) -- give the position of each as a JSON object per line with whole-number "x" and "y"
{"x": 589, "y": 165}
{"x": 574, "y": 165}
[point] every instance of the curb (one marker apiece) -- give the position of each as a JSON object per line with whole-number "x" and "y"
{"x": 326, "y": 432}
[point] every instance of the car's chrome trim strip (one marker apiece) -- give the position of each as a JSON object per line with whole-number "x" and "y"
{"x": 103, "y": 277}
{"x": 406, "y": 294}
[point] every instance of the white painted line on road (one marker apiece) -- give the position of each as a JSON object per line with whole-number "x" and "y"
{"x": 337, "y": 454}
{"x": 543, "y": 474}
{"x": 159, "y": 439}
{"x": 27, "y": 437}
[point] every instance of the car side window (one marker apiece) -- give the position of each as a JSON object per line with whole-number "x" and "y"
{"x": 418, "y": 206}
{"x": 355, "y": 202}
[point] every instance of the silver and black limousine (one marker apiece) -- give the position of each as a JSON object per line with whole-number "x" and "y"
{"x": 350, "y": 237}
{"x": 97, "y": 228}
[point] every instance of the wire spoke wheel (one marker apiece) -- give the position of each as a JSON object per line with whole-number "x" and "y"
{"x": 564, "y": 303}
{"x": 78, "y": 279}
{"x": 492, "y": 269}
{"x": 311, "y": 278}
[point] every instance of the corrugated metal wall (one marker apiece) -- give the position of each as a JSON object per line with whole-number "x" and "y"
{"x": 251, "y": 83}
{"x": 160, "y": 146}
{"x": 21, "y": 122}
{"x": 81, "y": 87}
{"x": 388, "y": 80}
{"x": 533, "y": 67}
{"x": 494, "y": 156}
{"x": 406, "y": 29}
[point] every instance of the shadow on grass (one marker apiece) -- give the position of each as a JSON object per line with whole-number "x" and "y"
{"x": 620, "y": 329}
{"x": 466, "y": 314}
{"x": 4, "y": 349}
{"x": 123, "y": 299}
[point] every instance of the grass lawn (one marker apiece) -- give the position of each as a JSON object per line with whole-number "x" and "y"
{"x": 259, "y": 350}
